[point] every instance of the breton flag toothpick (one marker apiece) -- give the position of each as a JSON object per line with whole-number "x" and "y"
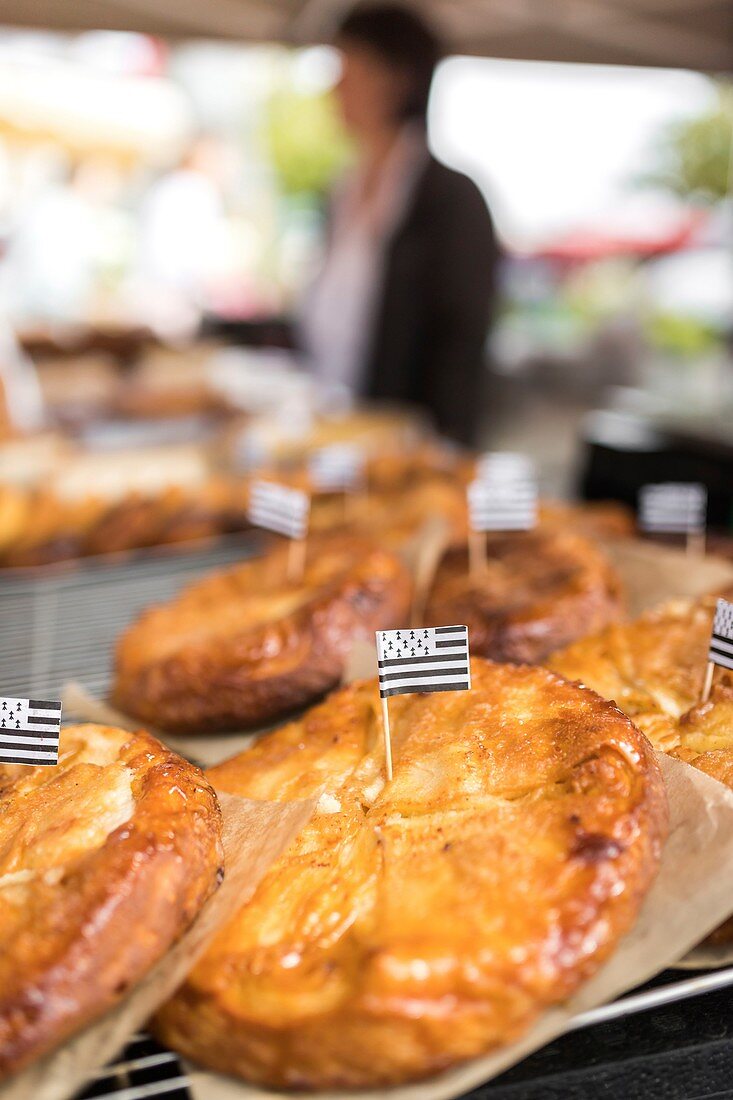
{"x": 505, "y": 465}
{"x": 498, "y": 503}
{"x": 720, "y": 651}
{"x": 279, "y": 508}
{"x": 251, "y": 452}
{"x": 424, "y": 659}
{"x": 338, "y": 468}
{"x": 674, "y": 508}
{"x": 286, "y": 511}
{"x": 29, "y": 731}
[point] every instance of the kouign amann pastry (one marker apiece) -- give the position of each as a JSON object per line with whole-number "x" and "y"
{"x": 245, "y": 646}
{"x": 653, "y": 669}
{"x": 105, "y": 859}
{"x": 414, "y": 925}
{"x": 539, "y": 590}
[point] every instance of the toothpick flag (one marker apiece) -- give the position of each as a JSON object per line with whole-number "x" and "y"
{"x": 721, "y": 639}
{"x": 673, "y": 507}
{"x": 251, "y": 452}
{"x": 279, "y": 508}
{"x": 29, "y": 731}
{"x": 720, "y": 650}
{"x": 502, "y": 504}
{"x": 426, "y": 659}
{"x": 433, "y": 658}
{"x": 504, "y": 465}
{"x": 337, "y": 469}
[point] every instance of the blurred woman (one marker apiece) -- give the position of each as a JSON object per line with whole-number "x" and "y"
{"x": 402, "y": 306}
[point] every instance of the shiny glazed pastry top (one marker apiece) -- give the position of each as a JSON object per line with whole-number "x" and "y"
{"x": 104, "y": 860}
{"x": 653, "y": 669}
{"x": 414, "y": 925}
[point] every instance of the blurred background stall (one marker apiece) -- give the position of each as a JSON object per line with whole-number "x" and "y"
{"x": 164, "y": 176}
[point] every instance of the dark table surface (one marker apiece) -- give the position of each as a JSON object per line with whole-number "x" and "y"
{"x": 683, "y": 1051}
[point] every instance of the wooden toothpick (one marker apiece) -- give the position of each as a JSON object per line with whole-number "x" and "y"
{"x": 387, "y": 739}
{"x": 477, "y": 560}
{"x": 708, "y": 685}
{"x": 296, "y": 560}
{"x": 695, "y": 544}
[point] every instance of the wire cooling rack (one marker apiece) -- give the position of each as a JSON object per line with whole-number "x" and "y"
{"x": 60, "y": 624}
{"x": 57, "y": 626}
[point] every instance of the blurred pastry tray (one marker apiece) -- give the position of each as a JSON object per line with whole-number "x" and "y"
{"x": 61, "y": 625}
{"x": 133, "y": 556}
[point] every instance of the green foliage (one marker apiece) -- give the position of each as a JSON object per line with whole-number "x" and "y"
{"x": 695, "y": 154}
{"x": 683, "y": 336}
{"x": 305, "y": 142}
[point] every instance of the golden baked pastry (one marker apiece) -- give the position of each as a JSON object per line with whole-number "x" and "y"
{"x": 415, "y": 925}
{"x": 15, "y": 509}
{"x": 55, "y": 530}
{"x": 653, "y": 669}
{"x": 394, "y": 517}
{"x": 247, "y": 645}
{"x": 540, "y": 589}
{"x": 104, "y": 861}
{"x": 601, "y": 519}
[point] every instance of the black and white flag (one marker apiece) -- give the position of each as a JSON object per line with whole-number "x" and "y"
{"x": 145, "y": 1069}
{"x": 250, "y": 452}
{"x": 502, "y": 504}
{"x": 432, "y": 658}
{"x": 721, "y": 639}
{"x": 504, "y": 466}
{"x": 279, "y": 508}
{"x": 673, "y": 507}
{"x": 29, "y": 731}
{"x": 338, "y": 468}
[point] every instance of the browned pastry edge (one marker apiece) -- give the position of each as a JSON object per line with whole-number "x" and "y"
{"x": 394, "y": 1029}
{"x": 578, "y": 594}
{"x": 225, "y": 683}
{"x": 101, "y": 929}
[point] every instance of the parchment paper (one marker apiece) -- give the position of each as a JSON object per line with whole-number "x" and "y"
{"x": 692, "y": 894}
{"x": 653, "y": 573}
{"x": 204, "y": 750}
{"x": 254, "y": 835}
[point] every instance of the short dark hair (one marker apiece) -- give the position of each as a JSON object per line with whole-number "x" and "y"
{"x": 401, "y": 38}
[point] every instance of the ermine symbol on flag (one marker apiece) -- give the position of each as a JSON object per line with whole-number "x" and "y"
{"x": 29, "y": 731}
{"x": 424, "y": 659}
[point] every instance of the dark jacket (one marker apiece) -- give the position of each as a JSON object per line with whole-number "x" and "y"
{"x": 432, "y": 321}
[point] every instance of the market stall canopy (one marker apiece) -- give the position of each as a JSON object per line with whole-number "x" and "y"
{"x": 695, "y": 34}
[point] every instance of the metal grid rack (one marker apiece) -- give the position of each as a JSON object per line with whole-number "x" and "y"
{"x": 57, "y": 626}
{"x": 61, "y": 624}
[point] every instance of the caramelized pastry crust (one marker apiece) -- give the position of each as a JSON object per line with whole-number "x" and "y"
{"x": 414, "y": 925}
{"x": 540, "y": 589}
{"x": 245, "y": 646}
{"x": 104, "y": 861}
{"x": 653, "y": 669}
